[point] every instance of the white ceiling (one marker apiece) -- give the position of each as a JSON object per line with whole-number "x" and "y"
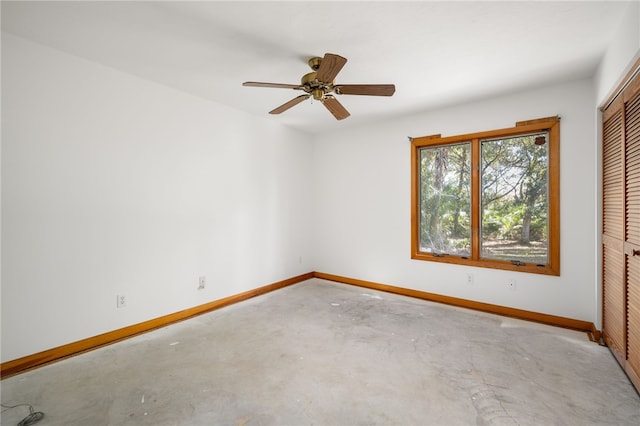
{"x": 436, "y": 53}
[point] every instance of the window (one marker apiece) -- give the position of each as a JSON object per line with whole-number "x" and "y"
{"x": 489, "y": 199}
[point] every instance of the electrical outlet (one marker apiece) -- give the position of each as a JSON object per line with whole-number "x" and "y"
{"x": 121, "y": 301}
{"x": 202, "y": 281}
{"x": 470, "y": 279}
{"x": 511, "y": 284}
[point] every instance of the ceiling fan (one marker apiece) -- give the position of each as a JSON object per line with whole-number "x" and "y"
{"x": 319, "y": 84}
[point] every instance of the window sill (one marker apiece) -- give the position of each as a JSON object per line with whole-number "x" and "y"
{"x": 492, "y": 264}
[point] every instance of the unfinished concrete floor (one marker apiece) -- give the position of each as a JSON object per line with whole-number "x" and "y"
{"x": 322, "y": 353}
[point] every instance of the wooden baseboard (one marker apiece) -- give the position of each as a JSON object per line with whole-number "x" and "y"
{"x": 557, "y": 321}
{"x": 20, "y": 365}
{"x": 10, "y": 368}
{"x": 595, "y": 335}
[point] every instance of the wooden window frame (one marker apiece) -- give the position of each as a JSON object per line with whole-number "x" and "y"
{"x": 550, "y": 124}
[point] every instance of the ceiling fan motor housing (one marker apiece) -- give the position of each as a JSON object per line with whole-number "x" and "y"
{"x": 316, "y": 88}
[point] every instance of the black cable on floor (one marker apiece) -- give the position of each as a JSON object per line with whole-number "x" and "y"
{"x": 32, "y": 418}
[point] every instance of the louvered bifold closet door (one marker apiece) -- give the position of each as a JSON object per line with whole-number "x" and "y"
{"x": 632, "y": 240}
{"x": 614, "y": 292}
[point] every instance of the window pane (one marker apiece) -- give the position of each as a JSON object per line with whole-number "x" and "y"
{"x": 445, "y": 199}
{"x": 514, "y": 181}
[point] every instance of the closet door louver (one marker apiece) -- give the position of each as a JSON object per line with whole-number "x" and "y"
{"x": 614, "y": 315}
{"x": 632, "y": 240}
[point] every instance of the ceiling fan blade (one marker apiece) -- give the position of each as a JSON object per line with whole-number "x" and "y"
{"x": 366, "y": 89}
{"x": 330, "y": 67}
{"x": 293, "y": 102}
{"x": 335, "y": 108}
{"x": 273, "y": 85}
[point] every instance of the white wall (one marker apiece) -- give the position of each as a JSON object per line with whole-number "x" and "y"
{"x": 112, "y": 184}
{"x": 362, "y": 199}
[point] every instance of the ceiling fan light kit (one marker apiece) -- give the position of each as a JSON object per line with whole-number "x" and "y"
{"x": 320, "y": 84}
